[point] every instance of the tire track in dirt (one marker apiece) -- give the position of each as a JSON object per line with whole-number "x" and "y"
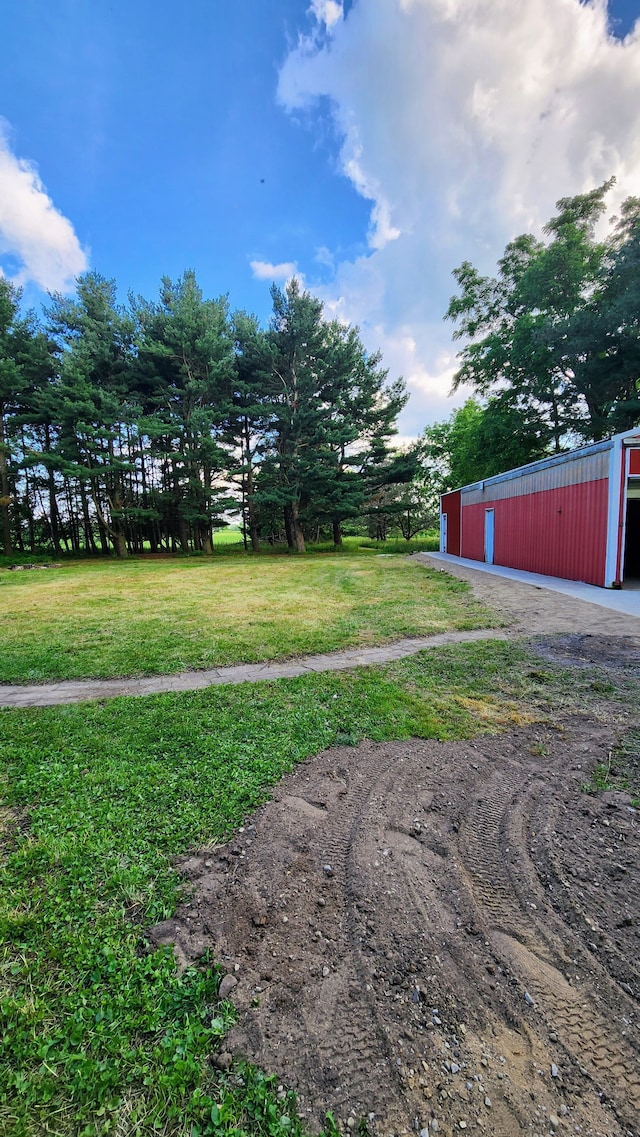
{"x": 388, "y": 911}
{"x": 356, "y": 1047}
{"x": 480, "y": 850}
{"x": 422, "y": 854}
{"x": 531, "y": 947}
{"x": 614, "y": 946}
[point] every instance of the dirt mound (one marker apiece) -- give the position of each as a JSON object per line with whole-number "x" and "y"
{"x": 436, "y": 936}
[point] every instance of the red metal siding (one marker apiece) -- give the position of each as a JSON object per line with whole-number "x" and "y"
{"x": 473, "y": 536}
{"x": 451, "y": 506}
{"x": 558, "y": 532}
{"x": 634, "y": 461}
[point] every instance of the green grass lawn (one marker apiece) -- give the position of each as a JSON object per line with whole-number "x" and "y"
{"x": 161, "y": 615}
{"x": 98, "y": 1034}
{"x": 229, "y": 536}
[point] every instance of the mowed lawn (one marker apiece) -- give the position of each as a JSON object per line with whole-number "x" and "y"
{"x": 141, "y": 617}
{"x": 99, "y": 1034}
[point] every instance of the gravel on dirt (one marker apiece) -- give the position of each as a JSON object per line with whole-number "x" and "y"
{"x": 463, "y": 877}
{"x": 531, "y": 609}
{"x": 430, "y": 937}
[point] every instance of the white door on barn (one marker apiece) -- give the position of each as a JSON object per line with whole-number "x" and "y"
{"x": 489, "y": 515}
{"x": 443, "y": 532}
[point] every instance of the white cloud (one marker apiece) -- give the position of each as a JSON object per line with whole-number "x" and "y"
{"x": 462, "y": 121}
{"x": 327, "y": 12}
{"x": 32, "y": 230}
{"x": 325, "y": 257}
{"x": 381, "y": 231}
{"x": 264, "y": 270}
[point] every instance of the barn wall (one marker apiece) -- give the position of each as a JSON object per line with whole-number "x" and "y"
{"x": 558, "y": 532}
{"x": 450, "y": 504}
{"x": 634, "y": 461}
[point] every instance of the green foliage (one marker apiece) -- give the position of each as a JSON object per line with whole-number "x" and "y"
{"x": 26, "y": 365}
{"x": 621, "y": 771}
{"x": 478, "y": 441}
{"x": 144, "y": 427}
{"x": 399, "y": 503}
{"x": 334, "y": 413}
{"x": 91, "y": 405}
{"x": 427, "y": 543}
{"x": 555, "y": 334}
{"x": 184, "y": 371}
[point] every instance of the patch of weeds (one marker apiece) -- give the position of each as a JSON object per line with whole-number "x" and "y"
{"x": 331, "y": 1129}
{"x": 622, "y": 770}
{"x": 428, "y": 543}
{"x": 602, "y": 687}
{"x": 346, "y": 738}
{"x": 250, "y": 1105}
{"x": 538, "y": 749}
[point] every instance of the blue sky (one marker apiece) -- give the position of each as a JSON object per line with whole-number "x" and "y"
{"x": 371, "y": 145}
{"x": 156, "y": 130}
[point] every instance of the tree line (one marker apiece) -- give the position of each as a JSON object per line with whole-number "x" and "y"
{"x": 140, "y": 427}
{"x": 144, "y": 427}
{"x": 551, "y": 345}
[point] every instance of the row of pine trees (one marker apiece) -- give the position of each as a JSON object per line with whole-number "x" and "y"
{"x": 140, "y": 428}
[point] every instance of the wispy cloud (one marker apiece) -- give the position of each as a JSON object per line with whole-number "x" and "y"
{"x": 462, "y": 121}
{"x": 327, "y": 12}
{"x": 32, "y": 231}
{"x": 264, "y": 270}
{"x": 325, "y": 257}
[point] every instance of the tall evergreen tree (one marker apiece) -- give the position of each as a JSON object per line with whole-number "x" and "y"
{"x": 143, "y": 427}
{"x": 250, "y": 417}
{"x": 186, "y": 366}
{"x": 95, "y": 411}
{"x": 11, "y": 387}
{"x": 335, "y": 412}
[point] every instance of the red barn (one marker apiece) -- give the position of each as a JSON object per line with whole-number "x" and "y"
{"x": 575, "y": 515}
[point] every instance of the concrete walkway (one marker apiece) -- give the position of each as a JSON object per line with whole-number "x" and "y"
{"x": 82, "y": 690}
{"x": 625, "y": 601}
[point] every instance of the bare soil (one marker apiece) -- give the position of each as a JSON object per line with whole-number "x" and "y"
{"x": 442, "y": 931}
{"x": 531, "y": 609}
{"x": 443, "y": 936}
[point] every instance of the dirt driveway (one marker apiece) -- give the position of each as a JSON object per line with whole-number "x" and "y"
{"x": 532, "y": 609}
{"x": 432, "y": 937}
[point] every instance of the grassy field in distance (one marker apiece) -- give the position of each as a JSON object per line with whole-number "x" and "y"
{"x": 162, "y": 615}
